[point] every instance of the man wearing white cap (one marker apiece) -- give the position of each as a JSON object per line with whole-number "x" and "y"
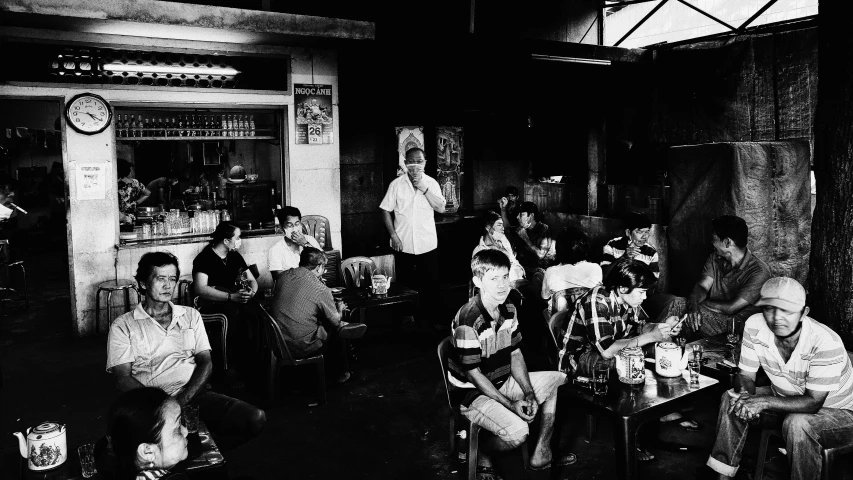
{"x": 811, "y": 378}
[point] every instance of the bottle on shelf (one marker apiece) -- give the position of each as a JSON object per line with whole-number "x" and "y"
{"x": 180, "y": 126}
{"x": 133, "y": 127}
{"x": 251, "y": 125}
{"x": 278, "y": 229}
{"x": 146, "y": 131}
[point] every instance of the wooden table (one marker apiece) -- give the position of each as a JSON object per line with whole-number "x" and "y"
{"x": 360, "y": 298}
{"x": 631, "y": 405}
{"x": 716, "y": 349}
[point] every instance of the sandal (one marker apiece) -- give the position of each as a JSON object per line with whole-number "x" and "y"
{"x": 564, "y": 461}
{"x": 691, "y": 425}
{"x": 642, "y": 452}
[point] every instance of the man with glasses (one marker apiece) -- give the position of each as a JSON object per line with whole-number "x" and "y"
{"x": 309, "y": 318}
{"x": 412, "y": 198}
{"x": 284, "y": 255}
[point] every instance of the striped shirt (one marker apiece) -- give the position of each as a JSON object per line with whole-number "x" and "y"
{"x": 617, "y": 247}
{"x": 598, "y": 320}
{"x": 479, "y": 341}
{"x": 818, "y": 362}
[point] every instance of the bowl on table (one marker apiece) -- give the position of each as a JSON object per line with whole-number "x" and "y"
{"x": 252, "y": 177}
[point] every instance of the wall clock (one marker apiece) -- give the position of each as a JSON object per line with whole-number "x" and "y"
{"x": 88, "y": 113}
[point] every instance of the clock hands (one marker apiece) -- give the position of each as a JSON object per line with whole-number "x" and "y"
{"x": 91, "y": 115}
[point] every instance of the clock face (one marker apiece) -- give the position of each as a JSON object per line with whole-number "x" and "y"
{"x": 88, "y": 113}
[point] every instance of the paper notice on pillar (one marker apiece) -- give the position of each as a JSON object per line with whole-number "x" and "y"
{"x": 314, "y": 120}
{"x": 91, "y": 181}
{"x": 408, "y": 138}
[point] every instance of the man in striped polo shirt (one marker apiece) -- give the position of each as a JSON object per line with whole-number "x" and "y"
{"x": 634, "y": 245}
{"x": 811, "y": 390}
{"x": 487, "y": 373}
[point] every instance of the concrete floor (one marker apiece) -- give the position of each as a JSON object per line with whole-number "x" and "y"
{"x": 388, "y": 422}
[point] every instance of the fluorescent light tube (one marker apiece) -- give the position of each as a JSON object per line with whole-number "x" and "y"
{"x": 588, "y": 61}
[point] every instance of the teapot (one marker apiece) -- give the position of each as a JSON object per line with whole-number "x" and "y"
{"x": 44, "y": 446}
{"x": 667, "y": 359}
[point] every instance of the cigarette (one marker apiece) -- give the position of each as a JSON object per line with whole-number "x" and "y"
{"x": 19, "y": 208}
{"x": 680, "y": 321}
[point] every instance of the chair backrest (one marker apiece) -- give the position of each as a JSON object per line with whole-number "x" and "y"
{"x": 354, "y": 269}
{"x": 222, "y": 320}
{"x": 555, "y": 324}
{"x": 318, "y": 227}
{"x": 443, "y": 354}
{"x": 254, "y": 269}
{"x": 275, "y": 339}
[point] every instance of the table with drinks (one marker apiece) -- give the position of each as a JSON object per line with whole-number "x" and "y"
{"x": 642, "y": 389}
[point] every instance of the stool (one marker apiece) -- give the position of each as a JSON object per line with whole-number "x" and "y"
{"x": 8, "y": 265}
{"x": 110, "y": 287}
{"x": 185, "y": 285}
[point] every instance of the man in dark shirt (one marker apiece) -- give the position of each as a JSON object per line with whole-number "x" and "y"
{"x": 306, "y": 311}
{"x": 487, "y": 373}
{"x": 729, "y": 286}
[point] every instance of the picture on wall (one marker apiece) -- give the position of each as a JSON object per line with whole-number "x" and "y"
{"x": 314, "y": 118}
{"x": 407, "y": 137}
{"x": 449, "y": 156}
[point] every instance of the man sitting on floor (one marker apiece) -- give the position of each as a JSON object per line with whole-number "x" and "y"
{"x": 487, "y": 373}
{"x": 311, "y": 322}
{"x": 811, "y": 392}
{"x": 284, "y": 254}
{"x": 729, "y": 285}
{"x": 160, "y": 344}
{"x": 634, "y": 244}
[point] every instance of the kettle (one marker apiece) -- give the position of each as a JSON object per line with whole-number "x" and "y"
{"x": 44, "y": 446}
{"x": 667, "y": 359}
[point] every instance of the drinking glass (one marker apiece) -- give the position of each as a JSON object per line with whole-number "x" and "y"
{"x": 693, "y": 366}
{"x": 87, "y": 459}
{"x": 731, "y": 327}
{"x": 190, "y": 418}
{"x": 601, "y": 375}
{"x": 698, "y": 351}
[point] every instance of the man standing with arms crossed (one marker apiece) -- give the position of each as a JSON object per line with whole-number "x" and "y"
{"x": 413, "y": 198}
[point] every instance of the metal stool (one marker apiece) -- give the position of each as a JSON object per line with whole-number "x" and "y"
{"x": 110, "y": 287}
{"x": 185, "y": 285}
{"x": 4, "y": 264}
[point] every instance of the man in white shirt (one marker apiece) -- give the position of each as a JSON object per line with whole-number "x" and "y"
{"x": 811, "y": 392}
{"x": 160, "y": 344}
{"x": 284, "y": 254}
{"x": 413, "y": 198}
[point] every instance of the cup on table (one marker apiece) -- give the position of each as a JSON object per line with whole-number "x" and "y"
{"x": 189, "y": 418}
{"x": 693, "y": 366}
{"x": 600, "y": 377}
{"x": 698, "y": 352}
{"x": 87, "y": 459}
{"x": 732, "y": 333}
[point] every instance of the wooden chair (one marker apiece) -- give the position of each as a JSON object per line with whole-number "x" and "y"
{"x": 473, "y": 429}
{"x": 279, "y": 356}
{"x": 222, "y": 320}
{"x": 354, "y": 270}
{"x": 318, "y": 227}
{"x": 829, "y": 454}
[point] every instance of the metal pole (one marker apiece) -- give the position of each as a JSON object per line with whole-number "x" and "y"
{"x": 756, "y": 15}
{"x": 641, "y": 22}
{"x": 703, "y": 12}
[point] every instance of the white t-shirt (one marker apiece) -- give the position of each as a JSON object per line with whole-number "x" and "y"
{"x": 818, "y": 362}
{"x": 159, "y": 357}
{"x": 561, "y": 277}
{"x": 280, "y": 257}
{"x": 414, "y": 218}
{"x": 516, "y": 271}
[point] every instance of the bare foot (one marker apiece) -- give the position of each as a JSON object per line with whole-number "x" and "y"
{"x": 541, "y": 458}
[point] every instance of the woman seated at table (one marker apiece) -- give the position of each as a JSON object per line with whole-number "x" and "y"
{"x": 495, "y": 239}
{"x": 606, "y": 320}
{"x": 224, "y": 284}
{"x": 574, "y": 276}
{"x": 146, "y": 434}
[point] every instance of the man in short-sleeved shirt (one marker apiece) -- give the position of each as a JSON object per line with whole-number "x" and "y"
{"x": 304, "y": 307}
{"x": 729, "y": 285}
{"x": 160, "y": 344}
{"x": 412, "y": 199}
{"x": 634, "y": 244}
{"x": 811, "y": 392}
{"x": 284, "y": 254}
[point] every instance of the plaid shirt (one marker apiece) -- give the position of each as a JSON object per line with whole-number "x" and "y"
{"x": 481, "y": 342}
{"x": 598, "y": 320}
{"x": 617, "y": 247}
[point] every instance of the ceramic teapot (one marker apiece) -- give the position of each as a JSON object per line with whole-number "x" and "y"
{"x": 44, "y": 447}
{"x": 667, "y": 359}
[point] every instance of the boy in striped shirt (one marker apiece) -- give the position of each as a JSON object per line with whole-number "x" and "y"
{"x": 487, "y": 373}
{"x": 634, "y": 245}
{"x": 811, "y": 390}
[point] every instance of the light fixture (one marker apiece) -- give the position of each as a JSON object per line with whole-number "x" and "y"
{"x": 587, "y": 61}
{"x": 134, "y": 68}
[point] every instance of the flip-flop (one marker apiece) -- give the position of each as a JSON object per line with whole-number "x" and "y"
{"x": 648, "y": 454}
{"x": 564, "y": 461}
{"x": 691, "y": 425}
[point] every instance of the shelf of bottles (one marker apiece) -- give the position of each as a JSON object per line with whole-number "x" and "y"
{"x": 192, "y": 127}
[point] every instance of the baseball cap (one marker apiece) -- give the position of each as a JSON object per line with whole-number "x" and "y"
{"x": 783, "y": 292}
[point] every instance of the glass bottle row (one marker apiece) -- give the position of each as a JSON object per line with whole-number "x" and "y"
{"x": 135, "y": 126}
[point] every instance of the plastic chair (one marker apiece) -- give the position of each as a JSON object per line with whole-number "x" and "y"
{"x": 829, "y": 454}
{"x": 279, "y": 356}
{"x": 473, "y": 429}
{"x": 354, "y": 270}
{"x": 112, "y": 286}
{"x": 4, "y": 255}
{"x": 318, "y": 227}
{"x": 222, "y": 320}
